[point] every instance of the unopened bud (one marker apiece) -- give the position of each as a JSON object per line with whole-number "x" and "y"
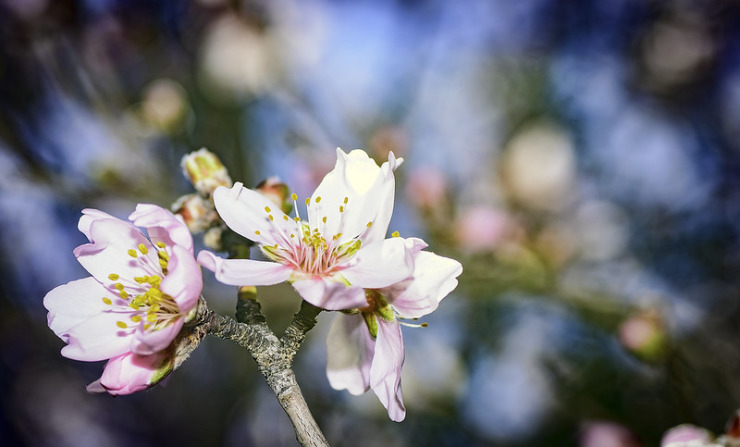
{"x": 212, "y": 239}
{"x": 197, "y": 212}
{"x": 644, "y": 335}
{"x": 205, "y": 171}
{"x": 278, "y": 192}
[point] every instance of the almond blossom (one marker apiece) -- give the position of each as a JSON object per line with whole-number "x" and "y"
{"x": 336, "y": 254}
{"x": 365, "y": 348}
{"x": 135, "y": 302}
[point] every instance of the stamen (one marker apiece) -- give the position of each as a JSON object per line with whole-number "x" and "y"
{"x": 257, "y": 232}
{"x": 121, "y": 324}
{"x": 118, "y": 286}
{"x": 285, "y": 217}
{"x": 318, "y": 199}
{"x": 123, "y": 294}
{"x": 308, "y": 200}
{"x": 369, "y": 224}
{"x": 107, "y": 301}
{"x": 395, "y": 234}
{"x": 160, "y": 244}
{"x": 113, "y": 277}
{"x": 346, "y": 199}
{"x": 294, "y": 196}
{"x": 267, "y": 208}
{"x": 132, "y": 253}
{"x": 297, "y": 219}
{"x": 143, "y": 249}
{"x": 136, "y": 318}
{"x": 323, "y": 219}
{"x": 341, "y": 208}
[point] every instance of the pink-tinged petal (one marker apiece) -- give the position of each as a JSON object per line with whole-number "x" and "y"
{"x": 162, "y": 226}
{"x": 380, "y": 265}
{"x": 184, "y": 281}
{"x": 127, "y": 374}
{"x": 107, "y": 253}
{"x": 434, "y": 278}
{"x": 385, "y": 372}
{"x": 349, "y": 354}
{"x": 244, "y": 272}
{"x": 151, "y": 342}
{"x": 245, "y": 212}
{"x": 89, "y": 215}
{"x": 79, "y": 317}
{"x": 330, "y": 295}
{"x": 358, "y": 178}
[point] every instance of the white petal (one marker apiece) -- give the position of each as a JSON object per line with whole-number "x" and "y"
{"x": 152, "y": 342}
{"x": 385, "y": 372}
{"x": 90, "y": 215}
{"x": 359, "y": 179}
{"x": 330, "y": 295}
{"x": 349, "y": 353}
{"x": 184, "y": 280}
{"x": 244, "y": 272}
{"x": 78, "y": 316}
{"x": 245, "y": 212}
{"x": 380, "y": 264}
{"x": 434, "y": 278}
{"x": 162, "y": 225}
{"x": 107, "y": 252}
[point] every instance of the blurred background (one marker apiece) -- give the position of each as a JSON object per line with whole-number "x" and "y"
{"x": 580, "y": 158}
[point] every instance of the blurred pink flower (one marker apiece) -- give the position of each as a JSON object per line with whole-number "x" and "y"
{"x": 136, "y": 301}
{"x": 686, "y": 435}
{"x": 365, "y": 348}
{"x": 606, "y": 434}
{"x": 481, "y": 228}
{"x": 334, "y": 256}
{"x": 426, "y": 187}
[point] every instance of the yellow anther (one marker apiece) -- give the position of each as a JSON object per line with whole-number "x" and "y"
{"x": 318, "y": 199}
{"x": 267, "y": 208}
{"x": 257, "y": 232}
{"x": 323, "y": 219}
{"x": 292, "y": 235}
{"x": 341, "y": 208}
{"x": 369, "y": 224}
{"x": 121, "y": 324}
{"x": 308, "y": 200}
{"x": 163, "y": 255}
{"x": 154, "y": 308}
{"x": 424, "y": 324}
{"x": 141, "y": 279}
{"x": 134, "y": 305}
{"x": 151, "y": 318}
{"x": 160, "y": 244}
{"x": 294, "y": 196}
{"x": 107, "y": 301}
{"x": 270, "y": 217}
{"x": 143, "y": 249}
{"x": 113, "y": 277}
{"x": 395, "y": 234}
{"x": 346, "y": 199}
{"x": 285, "y": 217}
{"x": 136, "y": 318}
{"x": 132, "y": 253}
{"x": 118, "y": 286}
{"x": 123, "y": 294}
{"x": 163, "y": 263}
{"x": 297, "y": 219}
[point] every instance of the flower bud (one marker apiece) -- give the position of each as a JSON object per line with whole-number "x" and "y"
{"x": 205, "y": 171}
{"x": 278, "y": 192}
{"x": 197, "y": 213}
{"x": 644, "y": 335}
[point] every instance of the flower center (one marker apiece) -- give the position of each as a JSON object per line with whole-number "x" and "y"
{"x": 310, "y": 251}
{"x": 140, "y": 296}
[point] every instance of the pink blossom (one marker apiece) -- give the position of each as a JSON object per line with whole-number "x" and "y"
{"x": 365, "y": 347}
{"x": 136, "y": 300}
{"x": 331, "y": 258}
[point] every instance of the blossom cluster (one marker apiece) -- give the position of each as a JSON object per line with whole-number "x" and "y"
{"x": 338, "y": 258}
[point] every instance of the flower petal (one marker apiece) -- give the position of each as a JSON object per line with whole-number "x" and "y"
{"x": 385, "y": 196}
{"x": 79, "y": 317}
{"x": 245, "y": 212}
{"x": 380, "y": 264}
{"x": 127, "y": 374}
{"x": 434, "y": 278}
{"x": 150, "y": 342}
{"x": 385, "y": 372}
{"x": 369, "y": 193}
{"x": 184, "y": 281}
{"x": 349, "y": 353}
{"x": 107, "y": 252}
{"x": 330, "y": 295}
{"x": 244, "y": 272}
{"x": 162, "y": 226}
{"x": 90, "y": 215}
